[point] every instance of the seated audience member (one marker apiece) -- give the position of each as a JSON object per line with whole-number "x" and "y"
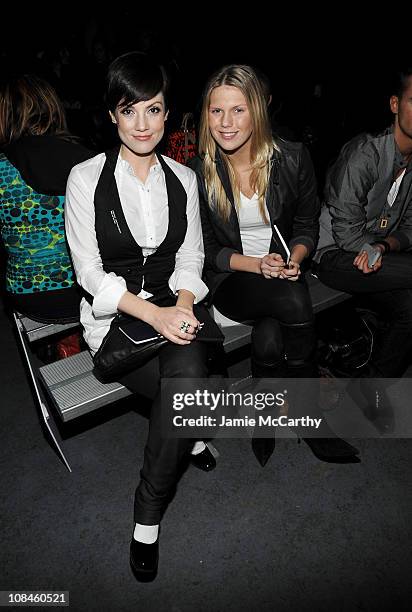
{"x": 369, "y": 194}
{"x": 37, "y": 154}
{"x": 133, "y": 226}
{"x": 251, "y": 187}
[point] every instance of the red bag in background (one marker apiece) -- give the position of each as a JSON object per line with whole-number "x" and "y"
{"x": 65, "y": 347}
{"x": 70, "y": 345}
{"x": 181, "y": 144}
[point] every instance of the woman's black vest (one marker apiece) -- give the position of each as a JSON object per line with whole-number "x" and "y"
{"x": 119, "y": 251}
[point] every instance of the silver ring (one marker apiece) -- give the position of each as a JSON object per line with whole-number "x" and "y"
{"x": 184, "y": 326}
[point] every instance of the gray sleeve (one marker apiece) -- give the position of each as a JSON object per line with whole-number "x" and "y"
{"x": 223, "y": 259}
{"x": 346, "y": 192}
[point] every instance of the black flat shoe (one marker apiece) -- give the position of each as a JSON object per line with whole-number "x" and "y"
{"x": 333, "y": 450}
{"x": 262, "y": 449}
{"x": 144, "y": 559}
{"x": 204, "y": 460}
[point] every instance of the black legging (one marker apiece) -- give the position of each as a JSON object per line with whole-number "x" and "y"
{"x": 283, "y": 337}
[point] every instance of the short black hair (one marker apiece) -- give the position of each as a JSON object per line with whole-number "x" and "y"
{"x": 135, "y": 77}
{"x": 401, "y": 80}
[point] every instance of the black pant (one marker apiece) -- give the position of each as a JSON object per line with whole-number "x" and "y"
{"x": 163, "y": 456}
{"x": 389, "y": 292}
{"x": 283, "y": 336}
{"x": 282, "y": 317}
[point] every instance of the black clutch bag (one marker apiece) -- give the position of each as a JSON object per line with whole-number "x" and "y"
{"x": 130, "y": 343}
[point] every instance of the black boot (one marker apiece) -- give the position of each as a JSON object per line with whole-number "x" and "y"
{"x": 330, "y": 448}
{"x": 333, "y": 450}
{"x": 300, "y": 347}
{"x": 263, "y": 447}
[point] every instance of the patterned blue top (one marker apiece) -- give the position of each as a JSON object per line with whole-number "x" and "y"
{"x": 32, "y": 228}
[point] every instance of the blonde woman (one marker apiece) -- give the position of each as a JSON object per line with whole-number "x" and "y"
{"x": 258, "y": 196}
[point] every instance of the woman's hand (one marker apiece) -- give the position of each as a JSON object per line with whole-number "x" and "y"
{"x": 271, "y": 265}
{"x": 176, "y": 323}
{"x": 292, "y": 272}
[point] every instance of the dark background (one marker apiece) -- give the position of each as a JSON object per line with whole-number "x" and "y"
{"x": 329, "y": 72}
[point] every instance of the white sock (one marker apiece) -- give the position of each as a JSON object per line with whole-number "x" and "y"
{"x": 146, "y": 533}
{"x": 198, "y": 447}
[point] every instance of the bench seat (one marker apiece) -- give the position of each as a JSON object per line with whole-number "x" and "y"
{"x": 75, "y": 391}
{"x": 36, "y": 330}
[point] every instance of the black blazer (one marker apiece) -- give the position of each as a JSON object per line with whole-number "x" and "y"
{"x": 291, "y": 200}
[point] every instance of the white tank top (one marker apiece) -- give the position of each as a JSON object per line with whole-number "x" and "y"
{"x": 255, "y": 234}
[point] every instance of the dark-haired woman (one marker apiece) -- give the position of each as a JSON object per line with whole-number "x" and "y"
{"x": 37, "y": 154}
{"x": 134, "y": 231}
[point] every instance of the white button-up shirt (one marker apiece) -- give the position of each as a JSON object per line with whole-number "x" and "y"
{"x": 145, "y": 207}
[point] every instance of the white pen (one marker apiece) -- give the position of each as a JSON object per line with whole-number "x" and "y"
{"x": 283, "y": 243}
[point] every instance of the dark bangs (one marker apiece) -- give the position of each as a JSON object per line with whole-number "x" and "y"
{"x": 132, "y": 78}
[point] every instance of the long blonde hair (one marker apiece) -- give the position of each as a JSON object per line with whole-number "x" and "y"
{"x": 262, "y": 144}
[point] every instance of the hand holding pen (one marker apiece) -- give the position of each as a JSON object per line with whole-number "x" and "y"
{"x": 291, "y": 271}
{"x": 274, "y": 266}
